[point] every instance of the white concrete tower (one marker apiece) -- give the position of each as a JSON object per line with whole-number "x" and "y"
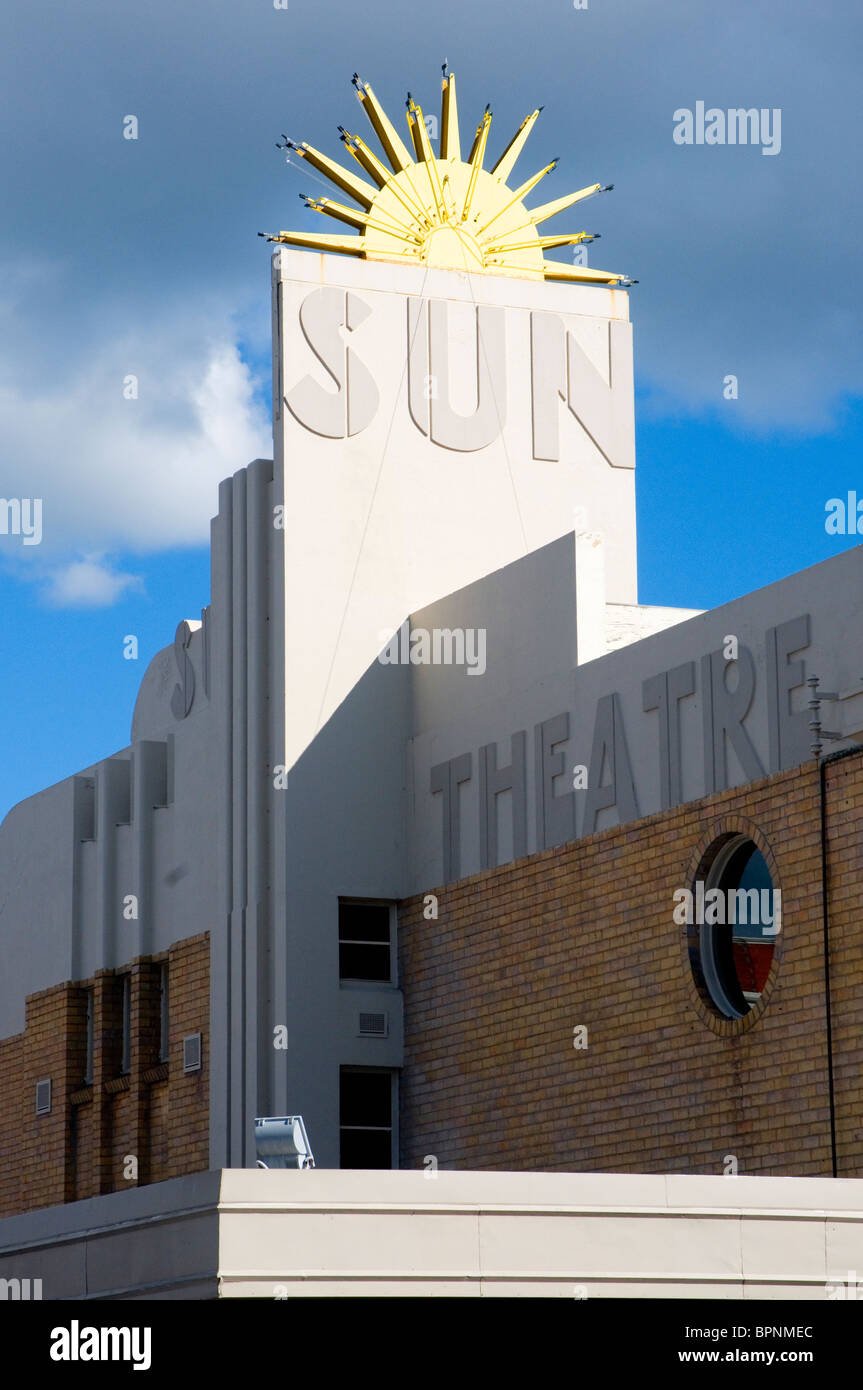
{"x": 445, "y": 400}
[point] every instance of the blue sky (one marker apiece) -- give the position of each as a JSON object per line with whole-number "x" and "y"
{"x": 141, "y": 257}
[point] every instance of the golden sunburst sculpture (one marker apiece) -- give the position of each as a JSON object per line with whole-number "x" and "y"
{"x": 441, "y": 211}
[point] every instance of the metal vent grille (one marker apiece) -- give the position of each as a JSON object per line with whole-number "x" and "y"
{"x": 192, "y": 1052}
{"x": 43, "y": 1097}
{"x": 373, "y": 1025}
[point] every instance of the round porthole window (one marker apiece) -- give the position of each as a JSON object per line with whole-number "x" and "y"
{"x": 736, "y": 920}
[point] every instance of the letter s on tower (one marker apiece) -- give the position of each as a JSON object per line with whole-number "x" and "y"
{"x": 353, "y": 405}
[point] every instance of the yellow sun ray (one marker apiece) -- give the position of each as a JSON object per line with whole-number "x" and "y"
{"x": 426, "y": 155}
{"x": 319, "y": 241}
{"x": 477, "y": 149}
{"x": 530, "y": 184}
{"x": 520, "y": 194}
{"x": 413, "y": 127}
{"x": 364, "y": 193}
{"x": 361, "y": 220}
{"x": 545, "y": 242}
{"x": 477, "y": 155}
{"x": 372, "y": 165}
{"x": 547, "y": 210}
{"x": 504, "y": 166}
{"x": 556, "y": 270}
{"x": 365, "y": 157}
{"x": 394, "y": 148}
{"x": 450, "y": 143}
{"x": 442, "y": 210}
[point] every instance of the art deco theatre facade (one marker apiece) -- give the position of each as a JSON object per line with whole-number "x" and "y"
{"x": 404, "y": 833}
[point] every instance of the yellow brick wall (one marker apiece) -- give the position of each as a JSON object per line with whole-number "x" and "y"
{"x": 584, "y": 935}
{"x": 162, "y": 1120}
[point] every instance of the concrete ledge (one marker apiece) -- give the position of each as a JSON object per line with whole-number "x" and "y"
{"x": 253, "y": 1234}
{"x": 159, "y": 1241}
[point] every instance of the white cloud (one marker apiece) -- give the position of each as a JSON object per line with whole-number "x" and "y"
{"x": 89, "y": 583}
{"x": 133, "y": 474}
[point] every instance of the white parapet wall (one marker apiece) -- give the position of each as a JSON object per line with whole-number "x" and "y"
{"x": 431, "y": 427}
{"x": 243, "y": 1233}
{"x": 536, "y": 1234}
{"x": 630, "y": 622}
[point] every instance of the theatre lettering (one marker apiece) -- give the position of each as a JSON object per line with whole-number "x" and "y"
{"x": 608, "y": 779}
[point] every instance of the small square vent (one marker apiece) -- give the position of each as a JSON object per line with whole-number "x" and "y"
{"x": 373, "y": 1025}
{"x": 43, "y": 1097}
{"x": 192, "y": 1052}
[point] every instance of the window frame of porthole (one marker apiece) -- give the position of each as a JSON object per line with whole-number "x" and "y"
{"x": 711, "y": 865}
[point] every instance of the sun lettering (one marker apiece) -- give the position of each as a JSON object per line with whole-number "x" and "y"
{"x": 441, "y": 211}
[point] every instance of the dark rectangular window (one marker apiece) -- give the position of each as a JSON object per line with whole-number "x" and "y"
{"x": 365, "y": 1119}
{"x": 126, "y": 1049}
{"x": 364, "y": 941}
{"x": 88, "y": 1055}
{"x": 164, "y": 1038}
